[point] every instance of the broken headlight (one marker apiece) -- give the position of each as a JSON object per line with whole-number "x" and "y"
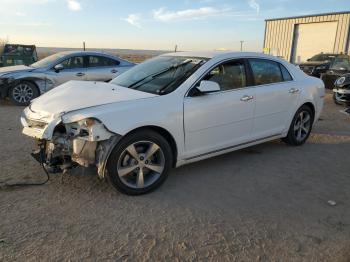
{"x": 89, "y": 129}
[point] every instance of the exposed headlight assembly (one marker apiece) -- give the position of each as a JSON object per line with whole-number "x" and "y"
{"x": 340, "y": 81}
{"x": 89, "y": 129}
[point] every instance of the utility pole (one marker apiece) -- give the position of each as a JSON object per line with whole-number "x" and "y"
{"x": 242, "y": 45}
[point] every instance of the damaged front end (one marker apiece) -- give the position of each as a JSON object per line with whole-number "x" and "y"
{"x": 341, "y": 89}
{"x": 5, "y": 84}
{"x": 85, "y": 143}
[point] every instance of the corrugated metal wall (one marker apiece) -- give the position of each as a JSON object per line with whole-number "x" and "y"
{"x": 279, "y": 33}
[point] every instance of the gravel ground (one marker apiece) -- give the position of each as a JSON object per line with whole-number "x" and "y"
{"x": 265, "y": 203}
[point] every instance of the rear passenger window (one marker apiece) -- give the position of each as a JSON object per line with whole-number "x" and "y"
{"x": 265, "y": 71}
{"x": 286, "y": 74}
{"x": 101, "y": 61}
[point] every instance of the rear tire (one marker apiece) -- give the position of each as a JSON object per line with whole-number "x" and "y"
{"x": 139, "y": 163}
{"x": 301, "y": 126}
{"x": 22, "y": 93}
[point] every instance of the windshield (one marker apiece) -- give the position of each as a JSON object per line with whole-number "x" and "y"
{"x": 18, "y": 50}
{"x": 47, "y": 61}
{"x": 321, "y": 58}
{"x": 160, "y": 75}
{"x": 341, "y": 64}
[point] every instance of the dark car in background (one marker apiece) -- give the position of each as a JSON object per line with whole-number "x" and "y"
{"x": 339, "y": 67}
{"x": 18, "y": 55}
{"x": 318, "y": 64}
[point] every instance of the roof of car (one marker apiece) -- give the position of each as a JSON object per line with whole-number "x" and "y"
{"x": 213, "y": 54}
{"x": 84, "y": 52}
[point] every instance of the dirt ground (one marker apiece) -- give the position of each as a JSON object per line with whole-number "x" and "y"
{"x": 265, "y": 203}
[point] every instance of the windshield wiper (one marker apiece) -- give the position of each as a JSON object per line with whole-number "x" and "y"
{"x": 159, "y": 73}
{"x": 189, "y": 72}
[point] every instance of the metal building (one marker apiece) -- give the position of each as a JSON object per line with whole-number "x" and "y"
{"x": 298, "y": 38}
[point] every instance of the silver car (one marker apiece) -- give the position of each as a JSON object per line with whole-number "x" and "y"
{"x": 21, "y": 84}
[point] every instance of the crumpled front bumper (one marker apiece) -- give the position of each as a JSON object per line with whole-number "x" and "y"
{"x": 4, "y": 90}
{"x": 38, "y": 126}
{"x": 85, "y": 150}
{"x": 5, "y": 85}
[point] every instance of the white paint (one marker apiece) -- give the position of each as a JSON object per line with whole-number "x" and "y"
{"x": 199, "y": 124}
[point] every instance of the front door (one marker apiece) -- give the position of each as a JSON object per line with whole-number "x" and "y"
{"x": 73, "y": 69}
{"x": 222, "y": 119}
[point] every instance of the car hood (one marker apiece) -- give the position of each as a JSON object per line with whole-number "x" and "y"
{"x": 15, "y": 69}
{"x": 75, "y": 95}
{"x": 315, "y": 63}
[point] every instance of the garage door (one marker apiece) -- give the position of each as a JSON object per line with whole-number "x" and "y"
{"x": 311, "y": 39}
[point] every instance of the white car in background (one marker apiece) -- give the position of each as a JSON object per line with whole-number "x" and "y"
{"x": 172, "y": 110}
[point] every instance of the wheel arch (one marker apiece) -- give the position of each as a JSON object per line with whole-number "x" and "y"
{"x": 30, "y": 80}
{"x": 164, "y": 133}
{"x": 312, "y": 107}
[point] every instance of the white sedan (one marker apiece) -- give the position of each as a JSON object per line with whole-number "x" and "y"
{"x": 172, "y": 110}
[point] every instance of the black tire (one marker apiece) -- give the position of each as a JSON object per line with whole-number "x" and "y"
{"x": 31, "y": 88}
{"x": 119, "y": 151}
{"x": 291, "y": 138}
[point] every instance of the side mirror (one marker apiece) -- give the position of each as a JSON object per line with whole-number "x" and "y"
{"x": 58, "y": 67}
{"x": 208, "y": 87}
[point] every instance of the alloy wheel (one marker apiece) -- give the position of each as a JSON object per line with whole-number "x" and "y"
{"x": 141, "y": 164}
{"x": 22, "y": 93}
{"x": 302, "y": 126}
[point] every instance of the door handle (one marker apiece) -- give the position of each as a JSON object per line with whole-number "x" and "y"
{"x": 246, "y": 98}
{"x": 113, "y": 71}
{"x": 293, "y": 90}
{"x": 80, "y": 74}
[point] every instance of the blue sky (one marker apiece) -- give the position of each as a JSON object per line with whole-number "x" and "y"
{"x": 152, "y": 24}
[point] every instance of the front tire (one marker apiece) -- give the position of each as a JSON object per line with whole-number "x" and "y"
{"x": 139, "y": 163}
{"x": 301, "y": 126}
{"x": 22, "y": 93}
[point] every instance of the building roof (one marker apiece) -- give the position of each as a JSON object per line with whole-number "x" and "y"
{"x": 302, "y": 16}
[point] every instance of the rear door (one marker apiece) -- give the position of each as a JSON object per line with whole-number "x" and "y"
{"x": 276, "y": 97}
{"x": 219, "y": 120}
{"x": 101, "y": 68}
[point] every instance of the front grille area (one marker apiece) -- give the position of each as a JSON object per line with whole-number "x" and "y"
{"x": 36, "y": 124}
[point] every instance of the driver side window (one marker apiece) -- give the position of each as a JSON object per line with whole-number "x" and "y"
{"x": 230, "y": 75}
{"x": 73, "y": 62}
